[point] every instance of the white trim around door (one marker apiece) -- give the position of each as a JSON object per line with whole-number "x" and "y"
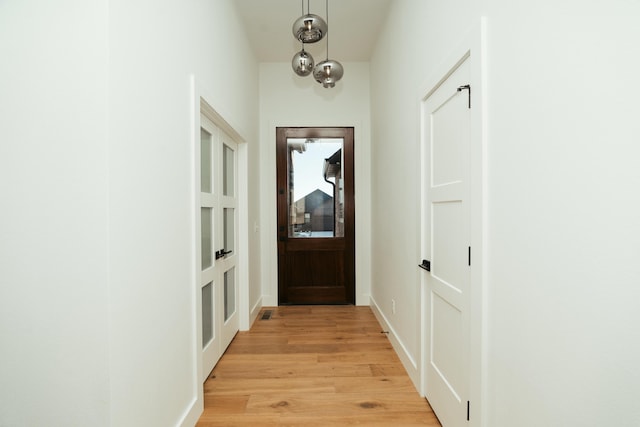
{"x": 204, "y": 116}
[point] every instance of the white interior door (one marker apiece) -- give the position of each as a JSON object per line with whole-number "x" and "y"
{"x": 217, "y": 273}
{"x": 209, "y": 230}
{"x": 446, "y": 119}
{"x": 227, "y": 253}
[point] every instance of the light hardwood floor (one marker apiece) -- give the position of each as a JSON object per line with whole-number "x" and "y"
{"x": 313, "y": 366}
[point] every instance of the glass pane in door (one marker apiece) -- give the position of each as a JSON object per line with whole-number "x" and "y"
{"x": 206, "y": 232}
{"x": 228, "y": 171}
{"x": 316, "y": 193}
{"x": 229, "y": 293}
{"x": 206, "y": 161}
{"x": 229, "y": 229}
{"x": 207, "y": 314}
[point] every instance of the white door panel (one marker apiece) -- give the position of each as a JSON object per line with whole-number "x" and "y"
{"x": 207, "y": 271}
{"x": 229, "y": 205}
{"x": 447, "y": 140}
{"x": 448, "y": 240}
{"x": 446, "y": 344}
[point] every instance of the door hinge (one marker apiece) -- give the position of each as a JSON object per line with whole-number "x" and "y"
{"x": 469, "y": 260}
{"x": 468, "y": 410}
{"x": 466, "y": 87}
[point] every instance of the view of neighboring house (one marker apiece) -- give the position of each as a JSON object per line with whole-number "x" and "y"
{"x": 318, "y": 213}
{"x": 314, "y": 213}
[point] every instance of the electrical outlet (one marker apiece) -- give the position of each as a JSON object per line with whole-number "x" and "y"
{"x": 393, "y": 306}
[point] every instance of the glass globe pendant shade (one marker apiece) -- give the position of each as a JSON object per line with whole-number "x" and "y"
{"x": 309, "y": 28}
{"x": 328, "y": 72}
{"x": 302, "y": 63}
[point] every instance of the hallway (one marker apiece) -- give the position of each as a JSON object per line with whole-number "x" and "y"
{"x": 313, "y": 366}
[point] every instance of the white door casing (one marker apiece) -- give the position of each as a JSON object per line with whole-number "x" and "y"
{"x": 446, "y": 244}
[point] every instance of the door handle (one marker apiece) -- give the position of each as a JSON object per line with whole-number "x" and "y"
{"x": 222, "y": 253}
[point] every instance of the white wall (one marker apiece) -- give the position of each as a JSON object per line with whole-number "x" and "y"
{"x": 97, "y": 325}
{"x": 563, "y": 213}
{"x": 562, "y": 199}
{"x": 418, "y": 36}
{"x": 54, "y": 347}
{"x": 287, "y": 100}
{"x": 153, "y": 50}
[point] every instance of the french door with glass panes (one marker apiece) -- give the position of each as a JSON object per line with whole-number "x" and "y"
{"x": 218, "y": 278}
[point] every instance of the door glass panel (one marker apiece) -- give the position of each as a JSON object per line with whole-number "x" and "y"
{"x": 229, "y": 229}
{"x": 229, "y": 293}
{"x": 207, "y": 314}
{"x": 228, "y": 166}
{"x": 316, "y": 193}
{"x": 205, "y": 161}
{"x": 206, "y": 231}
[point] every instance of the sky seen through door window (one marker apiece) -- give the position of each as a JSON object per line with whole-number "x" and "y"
{"x": 308, "y": 167}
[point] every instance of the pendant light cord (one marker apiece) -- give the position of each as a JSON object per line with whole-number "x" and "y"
{"x": 327, "y": 11}
{"x": 302, "y": 7}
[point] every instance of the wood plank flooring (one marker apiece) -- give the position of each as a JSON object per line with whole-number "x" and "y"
{"x": 313, "y": 366}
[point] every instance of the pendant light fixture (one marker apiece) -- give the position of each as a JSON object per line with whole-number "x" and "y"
{"x": 302, "y": 62}
{"x": 329, "y": 71}
{"x": 309, "y": 28}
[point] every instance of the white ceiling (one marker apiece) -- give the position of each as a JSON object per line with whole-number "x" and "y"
{"x": 353, "y": 27}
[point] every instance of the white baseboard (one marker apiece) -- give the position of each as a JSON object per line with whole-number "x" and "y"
{"x": 192, "y": 413}
{"x": 255, "y": 310}
{"x": 408, "y": 362}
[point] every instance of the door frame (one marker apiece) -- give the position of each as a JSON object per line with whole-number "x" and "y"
{"x": 268, "y": 209}
{"x": 346, "y": 133}
{"x": 473, "y": 49}
{"x": 201, "y": 102}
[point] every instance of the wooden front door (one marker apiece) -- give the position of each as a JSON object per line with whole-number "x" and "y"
{"x": 316, "y": 216}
